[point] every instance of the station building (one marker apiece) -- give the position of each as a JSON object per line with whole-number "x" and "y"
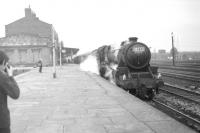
{"x": 29, "y": 39}
{"x": 68, "y": 54}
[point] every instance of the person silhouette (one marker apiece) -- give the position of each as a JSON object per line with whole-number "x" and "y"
{"x": 8, "y": 87}
{"x": 40, "y": 65}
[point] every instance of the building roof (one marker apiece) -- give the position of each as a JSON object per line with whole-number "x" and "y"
{"x": 29, "y": 25}
{"x": 30, "y": 15}
{"x": 70, "y": 51}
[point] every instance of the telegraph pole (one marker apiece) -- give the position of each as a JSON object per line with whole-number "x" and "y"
{"x": 54, "y": 55}
{"x": 60, "y": 54}
{"x": 173, "y": 54}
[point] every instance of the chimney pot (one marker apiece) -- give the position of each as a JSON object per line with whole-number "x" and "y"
{"x": 133, "y": 39}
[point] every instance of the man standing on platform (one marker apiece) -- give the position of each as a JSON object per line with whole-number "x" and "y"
{"x": 40, "y": 65}
{"x": 8, "y": 87}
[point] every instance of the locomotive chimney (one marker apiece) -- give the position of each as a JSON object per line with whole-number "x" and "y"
{"x": 133, "y": 39}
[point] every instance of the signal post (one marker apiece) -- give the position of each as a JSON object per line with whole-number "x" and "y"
{"x": 54, "y": 55}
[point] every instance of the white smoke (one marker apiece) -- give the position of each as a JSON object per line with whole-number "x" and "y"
{"x": 90, "y": 64}
{"x": 109, "y": 74}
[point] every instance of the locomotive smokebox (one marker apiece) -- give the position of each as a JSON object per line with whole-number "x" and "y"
{"x": 133, "y": 39}
{"x": 134, "y": 55}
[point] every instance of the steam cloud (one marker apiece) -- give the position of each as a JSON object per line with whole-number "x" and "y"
{"x": 90, "y": 64}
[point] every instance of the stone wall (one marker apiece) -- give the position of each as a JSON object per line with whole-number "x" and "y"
{"x": 27, "y": 50}
{"x": 24, "y": 40}
{"x": 29, "y": 56}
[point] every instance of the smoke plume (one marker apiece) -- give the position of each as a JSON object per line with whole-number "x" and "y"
{"x": 90, "y": 64}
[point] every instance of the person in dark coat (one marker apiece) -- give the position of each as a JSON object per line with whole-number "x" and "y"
{"x": 8, "y": 87}
{"x": 40, "y": 65}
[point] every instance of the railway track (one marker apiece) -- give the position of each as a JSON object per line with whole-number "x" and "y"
{"x": 188, "y": 69}
{"x": 183, "y": 65}
{"x": 184, "y": 118}
{"x": 191, "y": 73}
{"x": 195, "y": 79}
{"x": 192, "y": 69}
{"x": 181, "y": 93}
{"x": 182, "y": 73}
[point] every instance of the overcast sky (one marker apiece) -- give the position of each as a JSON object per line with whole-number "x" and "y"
{"x": 88, "y": 24}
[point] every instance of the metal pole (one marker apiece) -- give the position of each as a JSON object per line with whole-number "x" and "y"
{"x": 54, "y": 59}
{"x": 72, "y": 56}
{"x": 173, "y": 55}
{"x": 60, "y": 54}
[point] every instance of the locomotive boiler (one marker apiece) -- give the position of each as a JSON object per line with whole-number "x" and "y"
{"x": 132, "y": 70}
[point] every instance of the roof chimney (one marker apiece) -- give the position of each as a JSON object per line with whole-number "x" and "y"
{"x": 29, "y": 13}
{"x": 133, "y": 39}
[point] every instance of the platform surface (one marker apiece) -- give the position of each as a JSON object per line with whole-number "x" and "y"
{"x": 82, "y": 102}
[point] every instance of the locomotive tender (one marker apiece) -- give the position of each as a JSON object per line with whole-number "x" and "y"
{"x": 133, "y": 71}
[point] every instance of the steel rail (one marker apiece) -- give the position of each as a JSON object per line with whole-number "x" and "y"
{"x": 187, "y": 96}
{"x": 179, "y": 68}
{"x": 181, "y": 76}
{"x": 195, "y": 122}
{"x": 181, "y": 88}
{"x": 181, "y": 96}
{"x": 190, "y": 73}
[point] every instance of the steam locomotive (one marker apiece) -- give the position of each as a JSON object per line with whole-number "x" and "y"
{"x": 131, "y": 70}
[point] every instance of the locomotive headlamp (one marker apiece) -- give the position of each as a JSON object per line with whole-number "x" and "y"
{"x": 159, "y": 76}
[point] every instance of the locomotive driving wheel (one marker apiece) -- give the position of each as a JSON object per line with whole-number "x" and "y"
{"x": 151, "y": 94}
{"x": 145, "y": 93}
{"x": 140, "y": 92}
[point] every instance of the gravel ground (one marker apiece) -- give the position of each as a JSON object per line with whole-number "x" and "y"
{"x": 182, "y": 105}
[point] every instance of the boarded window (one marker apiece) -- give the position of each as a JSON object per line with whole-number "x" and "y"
{"x": 36, "y": 54}
{"x": 22, "y": 55}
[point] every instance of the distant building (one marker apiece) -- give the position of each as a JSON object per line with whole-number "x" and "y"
{"x": 162, "y": 51}
{"x": 184, "y": 56}
{"x": 181, "y": 56}
{"x": 68, "y": 54}
{"x": 29, "y": 39}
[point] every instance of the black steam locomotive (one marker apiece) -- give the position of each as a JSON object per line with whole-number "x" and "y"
{"x": 132, "y": 70}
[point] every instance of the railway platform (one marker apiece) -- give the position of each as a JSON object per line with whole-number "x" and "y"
{"x": 82, "y": 102}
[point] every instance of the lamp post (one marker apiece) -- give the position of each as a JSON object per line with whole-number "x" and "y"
{"x": 54, "y": 56}
{"x": 173, "y": 54}
{"x": 71, "y": 56}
